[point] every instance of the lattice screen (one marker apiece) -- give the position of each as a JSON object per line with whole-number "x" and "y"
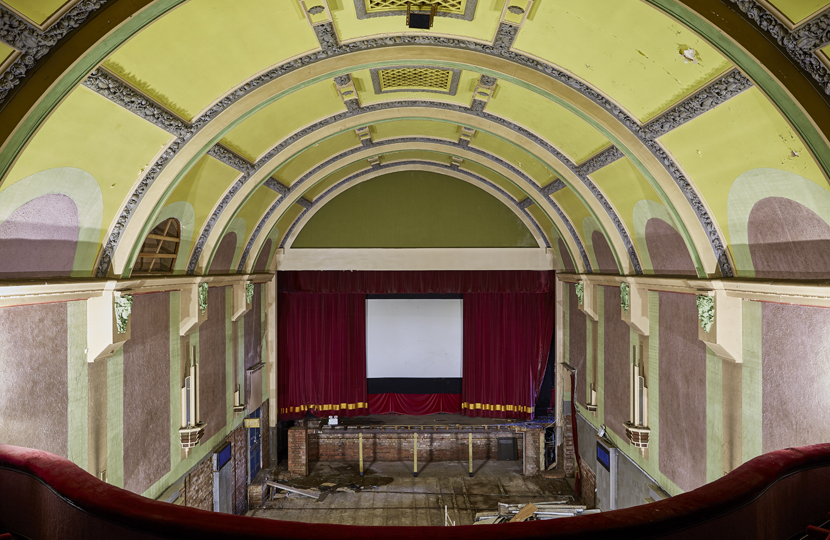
{"x": 451, "y": 6}
{"x": 415, "y": 78}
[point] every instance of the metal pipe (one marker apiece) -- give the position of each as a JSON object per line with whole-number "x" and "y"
{"x": 470, "y": 444}
{"x": 415, "y": 455}
{"x": 360, "y": 451}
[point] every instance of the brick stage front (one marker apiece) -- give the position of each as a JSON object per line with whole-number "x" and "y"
{"x": 392, "y": 438}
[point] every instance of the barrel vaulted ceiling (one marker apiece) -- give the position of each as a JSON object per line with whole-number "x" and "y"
{"x": 685, "y": 137}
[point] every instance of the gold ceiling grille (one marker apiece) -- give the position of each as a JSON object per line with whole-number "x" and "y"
{"x": 415, "y": 79}
{"x": 449, "y": 6}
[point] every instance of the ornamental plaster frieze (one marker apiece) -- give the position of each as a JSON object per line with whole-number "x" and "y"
{"x": 801, "y": 44}
{"x": 231, "y": 158}
{"x": 499, "y": 49}
{"x": 604, "y": 158}
{"x": 396, "y": 165}
{"x": 33, "y": 43}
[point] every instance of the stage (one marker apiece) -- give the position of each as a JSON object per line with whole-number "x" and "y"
{"x": 439, "y": 437}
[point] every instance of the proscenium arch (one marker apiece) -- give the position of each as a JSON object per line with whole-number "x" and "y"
{"x": 455, "y": 117}
{"x": 358, "y": 178}
{"x": 619, "y": 133}
{"x": 501, "y": 168}
{"x": 332, "y": 165}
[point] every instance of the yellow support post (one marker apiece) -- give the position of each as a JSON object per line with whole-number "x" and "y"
{"x": 415, "y": 455}
{"x": 470, "y": 444}
{"x": 542, "y": 451}
{"x": 360, "y": 451}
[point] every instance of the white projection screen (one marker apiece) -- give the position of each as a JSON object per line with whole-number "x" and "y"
{"x": 414, "y": 338}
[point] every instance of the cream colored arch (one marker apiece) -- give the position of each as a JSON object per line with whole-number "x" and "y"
{"x": 583, "y": 106}
{"x": 531, "y": 225}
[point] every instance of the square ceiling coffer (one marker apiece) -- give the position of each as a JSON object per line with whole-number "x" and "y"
{"x": 415, "y": 79}
{"x": 455, "y": 9}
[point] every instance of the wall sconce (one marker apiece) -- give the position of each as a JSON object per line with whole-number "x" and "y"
{"x": 421, "y": 21}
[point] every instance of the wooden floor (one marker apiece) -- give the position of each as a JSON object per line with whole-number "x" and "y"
{"x": 389, "y": 495}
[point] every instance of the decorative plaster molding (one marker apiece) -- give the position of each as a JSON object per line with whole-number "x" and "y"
{"x": 505, "y": 36}
{"x": 203, "y": 297}
{"x": 718, "y": 91}
{"x": 33, "y": 43}
{"x": 123, "y": 308}
{"x": 580, "y": 292}
{"x": 468, "y": 15}
{"x": 526, "y": 203}
{"x": 606, "y": 157}
{"x": 249, "y": 292}
{"x": 231, "y": 158}
{"x": 327, "y": 36}
{"x": 800, "y": 44}
{"x": 625, "y": 296}
{"x": 274, "y": 184}
{"x": 706, "y": 311}
{"x": 552, "y": 188}
{"x": 114, "y": 89}
{"x": 686, "y": 188}
{"x": 305, "y": 203}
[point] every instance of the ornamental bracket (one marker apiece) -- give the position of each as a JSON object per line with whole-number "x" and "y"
{"x": 724, "y": 335}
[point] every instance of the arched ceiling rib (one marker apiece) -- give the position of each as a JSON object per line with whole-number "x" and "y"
{"x": 635, "y": 113}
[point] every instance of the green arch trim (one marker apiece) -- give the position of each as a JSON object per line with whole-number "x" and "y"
{"x": 78, "y": 185}
{"x": 757, "y": 184}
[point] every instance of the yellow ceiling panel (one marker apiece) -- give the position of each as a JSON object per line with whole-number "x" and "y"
{"x": 624, "y": 185}
{"x": 36, "y": 10}
{"x": 415, "y": 128}
{"x": 285, "y": 221}
{"x": 574, "y": 208}
{"x": 312, "y": 156}
{"x": 799, "y": 10}
{"x": 264, "y": 129}
{"x": 747, "y": 132}
{"x": 519, "y": 158}
{"x": 92, "y": 133}
{"x": 5, "y": 52}
{"x": 573, "y": 136}
{"x": 464, "y": 95}
{"x": 233, "y": 45}
{"x": 541, "y": 218}
{"x": 256, "y": 205}
{"x": 317, "y": 189}
{"x": 203, "y": 185}
{"x": 627, "y": 49}
{"x": 481, "y": 28}
{"x": 515, "y": 191}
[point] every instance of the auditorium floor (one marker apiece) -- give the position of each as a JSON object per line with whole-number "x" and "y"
{"x": 390, "y": 495}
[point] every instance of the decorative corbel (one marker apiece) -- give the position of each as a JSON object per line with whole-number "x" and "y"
{"x": 636, "y": 313}
{"x": 588, "y": 302}
{"x": 364, "y": 134}
{"x": 721, "y": 324}
{"x": 111, "y": 313}
{"x": 484, "y": 90}
{"x": 515, "y": 12}
{"x": 316, "y": 11}
{"x": 193, "y": 307}
{"x": 241, "y": 300}
{"x": 467, "y": 134}
{"x": 347, "y": 91}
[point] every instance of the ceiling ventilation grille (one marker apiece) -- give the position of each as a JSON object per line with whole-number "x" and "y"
{"x": 448, "y": 6}
{"x": 415, "y": 79}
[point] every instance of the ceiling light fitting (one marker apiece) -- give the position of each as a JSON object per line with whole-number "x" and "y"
{"x": 420, "y": 20}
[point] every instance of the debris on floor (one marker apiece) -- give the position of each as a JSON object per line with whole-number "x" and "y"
{"x": 313, "y": 494}
{"x": 514, "y": 513}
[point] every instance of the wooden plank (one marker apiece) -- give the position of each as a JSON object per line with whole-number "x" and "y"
{"x": 163, "y": 238}
{"x": 524, "y": 513}
{"x": 303, "y": 492}
{"x": 156, "y": 255}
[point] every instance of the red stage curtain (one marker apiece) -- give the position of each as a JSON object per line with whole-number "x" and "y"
{"x": 322, "y": 355}
{"x": 506, "y": 342}
{"x": 406, "y": 282}
{"x": 418, "y": 404}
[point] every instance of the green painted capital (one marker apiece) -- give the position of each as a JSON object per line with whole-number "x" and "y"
{"x": 580, "y": 292}
{"x": 706, "y": 311}
{"x": 123, "y": 308}
{"x": 203, "y": 295}
{"x": 625, "y": 296}
{"x": 249, "y": 292}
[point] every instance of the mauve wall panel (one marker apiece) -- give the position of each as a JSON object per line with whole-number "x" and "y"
{"x": 796, "y": 375}
{"x": 682, "y": 372}
{"x": 617, "y": 371}
{"x": 577, "y": 345}
{"x": 212, "y": 359}
{"x": 147, "y": 392}
{"x": 33, "y": 377}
